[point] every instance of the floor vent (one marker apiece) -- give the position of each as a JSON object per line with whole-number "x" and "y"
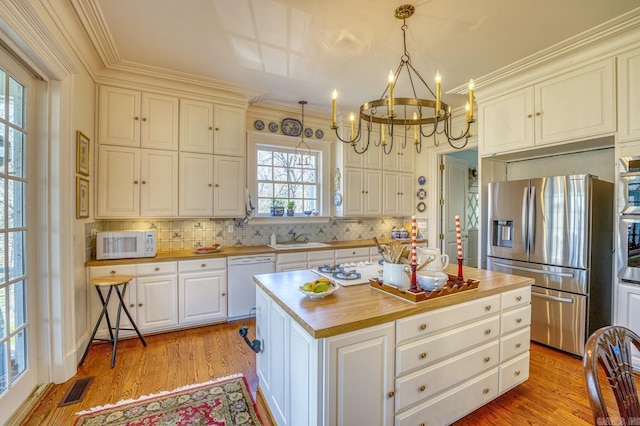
{"x": 76, "y": 392}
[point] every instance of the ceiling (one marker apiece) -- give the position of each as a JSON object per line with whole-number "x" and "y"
{"x": 282, "y": 51}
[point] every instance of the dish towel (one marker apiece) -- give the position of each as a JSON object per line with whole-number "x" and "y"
{"x": 251, "y": 208}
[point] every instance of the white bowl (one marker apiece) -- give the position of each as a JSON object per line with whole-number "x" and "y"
{"x": 311, "y": 295}
{"x": 431, "y": 281}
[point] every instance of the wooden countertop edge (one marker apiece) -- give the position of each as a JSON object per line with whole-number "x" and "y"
{"x": 174, "y": 255}
{"x": 400, "y": 310}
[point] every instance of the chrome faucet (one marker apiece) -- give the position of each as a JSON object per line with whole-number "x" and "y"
{"x": 296, "y": 236}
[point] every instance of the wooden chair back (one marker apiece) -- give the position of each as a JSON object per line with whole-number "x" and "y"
{"x": 610, "y": 347}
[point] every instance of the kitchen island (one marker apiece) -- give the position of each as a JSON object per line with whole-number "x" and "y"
{"x": 363, "y": 356}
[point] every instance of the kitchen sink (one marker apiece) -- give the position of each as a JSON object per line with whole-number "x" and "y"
{"x": 296, "y": 245}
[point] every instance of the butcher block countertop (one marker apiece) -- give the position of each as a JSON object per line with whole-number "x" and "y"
{"x": 360, "y": 306}
{"x": 166, "y": 256}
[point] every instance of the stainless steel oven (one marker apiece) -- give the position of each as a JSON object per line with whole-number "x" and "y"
{"x": 629, "y": 249}
{"x": 629, "y": 188}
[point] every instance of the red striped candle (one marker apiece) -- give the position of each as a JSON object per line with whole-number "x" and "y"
{"x": 458, "y": 237}
{"x": 414, "y": 238}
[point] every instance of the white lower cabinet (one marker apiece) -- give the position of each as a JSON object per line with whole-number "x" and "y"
{"x": 628, "y": 306}
{"x": 151, "y": 297}
{"x": 202, "y": 291}
{"x": 351, "y": 255}
{"x": 357, "y": 375}
{"x": 430, "y": 368}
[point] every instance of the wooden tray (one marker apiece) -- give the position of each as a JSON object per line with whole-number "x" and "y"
{"x": 449, "y": 288}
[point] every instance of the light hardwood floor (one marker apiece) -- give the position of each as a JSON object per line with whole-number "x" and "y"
{"x": 555, "y": 393}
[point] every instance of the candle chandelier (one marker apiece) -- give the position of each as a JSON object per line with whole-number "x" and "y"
{"x": 418, "y": 117}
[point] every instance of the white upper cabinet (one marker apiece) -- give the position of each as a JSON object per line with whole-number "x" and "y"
{"x": 158, "y": 183}
{"x": 629, "y": 96}
{"x": 196, "y": 126}
{"x": 229, "y": 177}
{"x": 229, "y": 131}
{"x": 195, "y": 185}
{"x": 137, "y": 119}
{"x": 571, "y": 106}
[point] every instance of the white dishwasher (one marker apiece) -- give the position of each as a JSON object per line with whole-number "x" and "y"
{"x": 241, "y": 287}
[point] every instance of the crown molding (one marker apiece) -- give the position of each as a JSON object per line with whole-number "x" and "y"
{"x": 577, "y": 44}
{"x": 92, "y": 19}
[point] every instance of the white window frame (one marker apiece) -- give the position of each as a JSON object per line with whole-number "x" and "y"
{"x": 254, "y": 139}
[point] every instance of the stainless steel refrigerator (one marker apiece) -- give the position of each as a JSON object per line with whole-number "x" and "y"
{"x": 558, "y": 231}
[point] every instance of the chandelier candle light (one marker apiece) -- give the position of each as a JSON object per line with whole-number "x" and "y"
{"x": 428, "y": 117}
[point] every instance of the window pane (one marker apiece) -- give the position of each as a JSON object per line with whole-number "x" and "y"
{"x": 309, "y": 175}
{"x": 296, "y": 191}
{"x": 310, "y": 191}
{"x": 3, "y": 307}
{"x": 295, "y": 175}
{"x": 16, "y": 254}
{"x": 3, "y": 367}
{"x": 3, "y": 223}
{"x": 280, "y": 159}
{"x": 17, "y": 305}
{"x": 264, "y": 205}
{"x": 279, "y": 174}
{"x": 264, "y": 173}
{"x": 265, "y": 190}
{"x": 16, "y": 204}
{"x": 18, "y": 354}
{"x": 265, "y": 157}
{"x": 3, "y": 92}
{"x": 16, "y": 103}
{"x": 3, "y": 148}
{"x": 16, "y": 149}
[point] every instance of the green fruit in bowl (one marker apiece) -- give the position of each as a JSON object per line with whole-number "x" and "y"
{"x": 321, "y": 288}
{"x": 309, "y": 286}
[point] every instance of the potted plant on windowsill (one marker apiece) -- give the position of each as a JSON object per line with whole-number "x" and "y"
{"x": 291, "y": 206}
{"x": 277, "y": 207}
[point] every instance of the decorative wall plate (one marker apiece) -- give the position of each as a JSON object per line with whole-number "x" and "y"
{"x": 421, "y": 206}
{"x": 337, "y": 199}
{"x": 258, "y": 124}
{"x": 422, "y": 180}
{"x": 291, "y": 127}
{"x": 308, "y": 132}
{"x": 319, "y": 134}
{"x": 421, "y": 194}
{"x": 273, "y": 126}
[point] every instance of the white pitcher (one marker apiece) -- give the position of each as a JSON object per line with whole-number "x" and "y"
{"x": 396, "y": 274}
{"x": 441, "y": 260}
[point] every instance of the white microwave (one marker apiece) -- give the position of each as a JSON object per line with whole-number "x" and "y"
{"x": 125, "y": 244}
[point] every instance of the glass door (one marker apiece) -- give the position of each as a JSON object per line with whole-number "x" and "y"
{"x": 17, "y": 326}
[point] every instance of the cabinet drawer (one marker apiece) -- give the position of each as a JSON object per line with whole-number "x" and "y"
{"x": 410, "y": 328}
{"x": 343, "y": 254}
{"x": 434, "y": 348}
{"x": 513, "y": 298}
{"x": 208, "y": 264}
{"x": 514, "y": 372}
{"x": 298, "y": 257}
{"x": 515, "y": 344}
{"x": 100, "y": 271}
{"x": 157, "y": 268}
{"x": 427, "y": 382}
{"x": 515, "y": 319}
{"x": 446, "y": 408}
{"x": 321, "y": 256}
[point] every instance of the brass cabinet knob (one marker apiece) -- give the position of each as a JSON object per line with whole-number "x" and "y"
{"x": 519, "y": 298}
{"x": 217, "y": 185}
{"x": 144, "y": 119}
{"x": 210, "y": 185}
{"x": 517, "y": 373}
{"x": 423, "y": 355}
{"x": 519, "y": 320}
{"x": 144, "y": 182}
{"x": 422, "y": 388}
{"x": 210, "y": 128}
{"x": 131, "y": 305}
{"x": 518, "y": 345}
{"x": 156, "y": 269}
{"x": 204, "y": 265}
{"x": 529, "y": 116}
{"x": 217, "y": 129}
{"x": 113, "y": 272}
{"x": 136, "y": 118}
{"x": 391, "y": 394}
{"x": 223, "y": 294}
{"x": 487, "y": 331}
{"x": 487, "y": 359}
{"x": 423, "y": 326}
{"x": 139, "y": 304}
{"x": 487, "y": 308}
{"x": 485, "y": 391}
{"x": 135, "y": 182}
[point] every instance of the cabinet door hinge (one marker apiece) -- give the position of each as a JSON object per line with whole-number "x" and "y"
{"x": 441, "y": 166}
{"x": 442, "y": 201}
{"x": 441, "y": 236}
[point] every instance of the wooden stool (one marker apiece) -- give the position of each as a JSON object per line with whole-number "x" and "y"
{"x": 112, "y": 281}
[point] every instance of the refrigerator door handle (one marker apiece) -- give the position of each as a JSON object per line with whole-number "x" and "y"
{"x": 554, "y": 298}
{"x": 525, "y": 198}
{"x": 537, "y": 271}
{"x": 532, "y": 220}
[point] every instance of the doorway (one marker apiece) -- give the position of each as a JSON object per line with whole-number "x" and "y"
{"x": 459, "y": 192}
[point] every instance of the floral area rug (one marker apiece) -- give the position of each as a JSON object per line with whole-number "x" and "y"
{"x": 225, "y": 401}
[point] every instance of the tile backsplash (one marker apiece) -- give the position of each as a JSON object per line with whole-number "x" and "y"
{"x": 188, "y": 234}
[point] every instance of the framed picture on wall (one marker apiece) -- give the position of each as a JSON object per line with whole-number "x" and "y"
{"x": 82, "y": 154}
{"x": 82, "y": 198}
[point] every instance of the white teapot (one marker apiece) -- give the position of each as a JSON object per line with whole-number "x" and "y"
{"x": 440, "y": 261}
